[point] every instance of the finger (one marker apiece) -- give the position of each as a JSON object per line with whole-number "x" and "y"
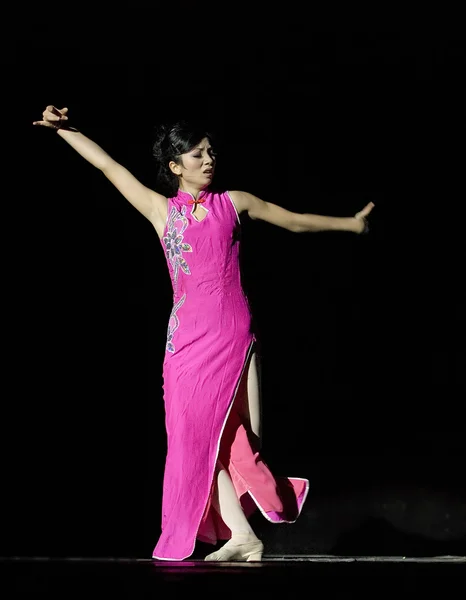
{"x": 366, "y": 210}
{"x": 63, "y": 112}
{"x": 53, "y": 114}
{"x": 51, "y": 109}
{"x": 44, "y": 124}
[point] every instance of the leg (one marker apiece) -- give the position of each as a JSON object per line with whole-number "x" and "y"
{"x": 244, "y": 544}
{"x": 251, "y": 409}
{"x": 226, "y": 503}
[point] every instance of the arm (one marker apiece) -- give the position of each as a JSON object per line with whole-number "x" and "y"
{"x": 149, "y": 203}
{"x": 297, "y": 222}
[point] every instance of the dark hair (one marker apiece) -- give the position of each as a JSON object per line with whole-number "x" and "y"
{"x": 171, "y": 141}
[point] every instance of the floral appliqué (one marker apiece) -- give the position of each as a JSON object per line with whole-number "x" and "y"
{"x": 174, "y": 245}
{"x": 174, "y": 323}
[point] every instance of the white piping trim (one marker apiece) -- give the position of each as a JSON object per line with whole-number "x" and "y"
{"x": 236, "y": 210}
{"x": 264, "y": 514}
{"x": 166, "y": 220}
{"x": 194, "y": 216}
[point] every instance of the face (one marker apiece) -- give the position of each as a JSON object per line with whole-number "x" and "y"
{"x": 196, "y": 168}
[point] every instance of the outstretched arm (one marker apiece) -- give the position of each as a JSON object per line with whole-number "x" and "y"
{"x": 149, "y": 203}
{"x": 297, "y": 222}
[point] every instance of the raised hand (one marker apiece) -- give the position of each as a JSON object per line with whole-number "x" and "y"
{"x": 362, "y": 215}
{"x": 53, "y": 117}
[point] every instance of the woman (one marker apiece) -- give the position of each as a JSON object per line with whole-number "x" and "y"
{"x": 214, "y": 475}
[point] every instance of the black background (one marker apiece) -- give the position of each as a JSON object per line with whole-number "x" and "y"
{"x": 362, "y": 338}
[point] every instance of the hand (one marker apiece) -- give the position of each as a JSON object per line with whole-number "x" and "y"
{"x": 361, "y": 217}
{"x": 53, "y": 117}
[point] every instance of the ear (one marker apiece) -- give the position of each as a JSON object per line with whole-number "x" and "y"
{"x": 174, "y": 168}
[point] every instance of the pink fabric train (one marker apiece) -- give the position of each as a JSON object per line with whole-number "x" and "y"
{"x": 209, "y": 342}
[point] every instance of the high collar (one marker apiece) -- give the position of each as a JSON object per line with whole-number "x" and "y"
{"x": 188, "y": 198}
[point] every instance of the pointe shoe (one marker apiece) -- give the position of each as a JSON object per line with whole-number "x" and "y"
{"x": 235, "y": 550}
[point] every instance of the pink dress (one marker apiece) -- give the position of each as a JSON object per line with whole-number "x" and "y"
{"x": 209, "y": 342}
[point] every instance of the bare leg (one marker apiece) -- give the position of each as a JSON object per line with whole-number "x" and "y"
{"x": 244, "y": 544}
{"x": 249, "y": 401}
{"x": 254, "y": 398}
{"x": 226, "y": 503}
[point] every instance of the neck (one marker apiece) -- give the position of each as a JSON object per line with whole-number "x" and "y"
{"x": 194, "y": 191}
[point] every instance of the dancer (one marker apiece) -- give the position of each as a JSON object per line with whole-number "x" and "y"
{"x": 214, "y": 475}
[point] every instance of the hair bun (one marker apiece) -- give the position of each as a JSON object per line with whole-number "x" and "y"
{"x": 161, "y": 140}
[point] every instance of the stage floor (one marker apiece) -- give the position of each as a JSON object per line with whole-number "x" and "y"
{"x": 314, "y": 575}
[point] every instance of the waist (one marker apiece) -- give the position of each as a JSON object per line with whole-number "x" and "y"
{"x": 208, "y": 287}
{"x": 214, "y": 297}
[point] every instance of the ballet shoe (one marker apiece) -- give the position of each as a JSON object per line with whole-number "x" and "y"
{"x": 238, "y": 550}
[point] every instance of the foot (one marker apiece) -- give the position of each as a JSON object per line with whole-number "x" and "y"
{"x": 239, "y": 548}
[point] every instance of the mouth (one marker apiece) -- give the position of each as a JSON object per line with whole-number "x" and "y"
{"x": 208, "y": 172}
